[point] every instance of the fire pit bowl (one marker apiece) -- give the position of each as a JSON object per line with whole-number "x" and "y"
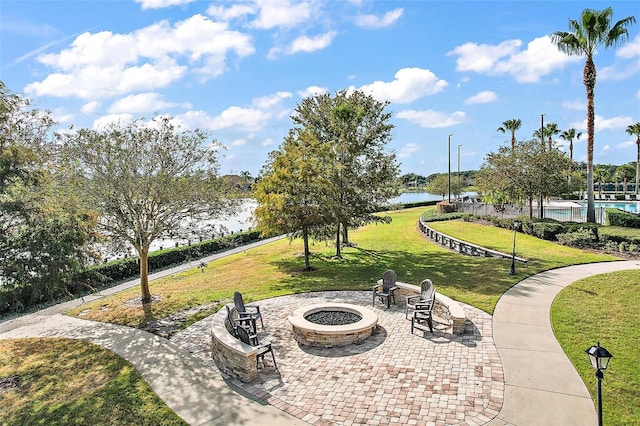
{"x": 312, "y": 334}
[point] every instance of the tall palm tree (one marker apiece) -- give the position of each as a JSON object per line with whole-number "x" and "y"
{"x": 512, "y": 126}
{"x": 570, "y": 135}
{"x": 551, "y": 129}
{"x": 634, "y": 129}
{"x": 584, "y": 36}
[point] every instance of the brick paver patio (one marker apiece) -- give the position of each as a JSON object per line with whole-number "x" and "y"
{"x": 393, "y": 377}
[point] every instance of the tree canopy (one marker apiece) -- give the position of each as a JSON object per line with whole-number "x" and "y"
{"x": 362, "y": 176}
{"x": 45, "y": 235}
{"x": 148, "y": 180}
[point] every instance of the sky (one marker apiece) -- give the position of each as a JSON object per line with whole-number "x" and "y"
{"x": 452, "y": 71}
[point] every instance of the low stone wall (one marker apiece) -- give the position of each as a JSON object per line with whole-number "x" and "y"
{"x": 232, "y": 357}
{"x": 445, "y": 308}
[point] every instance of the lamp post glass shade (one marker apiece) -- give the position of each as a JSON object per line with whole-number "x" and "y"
{"x": 599, "y": 357}
{"x": 516, "y": 224}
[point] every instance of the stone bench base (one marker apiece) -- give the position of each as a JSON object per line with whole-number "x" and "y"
{"x": 445, "y": 308}
{"x": 231, "y": 356}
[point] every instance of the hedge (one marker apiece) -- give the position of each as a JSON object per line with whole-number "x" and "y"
{"x": 622, "y": 218}
{"x": 123, "y": 269}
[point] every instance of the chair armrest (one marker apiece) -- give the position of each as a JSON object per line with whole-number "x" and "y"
{"x": 256, "y": 307}
{"x": 375, "y": 287}
{"x": 412, "y": 297}
{"x": 395, "y": 287}
{"x": 424, "y": 307}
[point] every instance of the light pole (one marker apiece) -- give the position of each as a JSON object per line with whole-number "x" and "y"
{"x": 450, "y": 167}
{"x": 459, "y": 194}
{"x": 541, "y": 207}
{"x": 516, "y": 225}
{"x": 599, "y": 358}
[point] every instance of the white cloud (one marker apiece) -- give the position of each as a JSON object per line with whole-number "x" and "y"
{"x": 159, "y": 4}
{"x": 267, "y": 142}
{"x": 103, "y": 65}
{"x": 238, "y": 142}
{"x": 482, "y": 98}
{"x": 606, "y": 148}
{"x": 638, "y": 94}
{"x": 432, "y": 119}
{"x": 263, "y": 111}
{"x": 90, "y": 107}
{"x": 373, "y": 21}
{"x": 312, "y": 91}
{"x": 144, "y": 102}
{"x": 281, "y": 13}
{"x": 602, "y": 123}
{"x": 541, "y": 57}
{"x": 271, "y": 101}
{"x": 407, "y": 150}
{"x": 482, "y": 58}
{"x": 409, "y": 84}
{"x": 228, "y": 13}
{"x": 102, "y": 122}
{"x": 630, "y": 49}
{"x": 626, "y": 144}
{"x": 578, "y": 105}
{"x": 311, "y": 44}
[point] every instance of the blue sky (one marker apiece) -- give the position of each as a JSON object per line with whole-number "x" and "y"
{"x": 239, "y": 68}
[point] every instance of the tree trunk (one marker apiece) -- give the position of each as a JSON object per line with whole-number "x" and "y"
{"x": 345, "y": 234}
{"x": 144, "y": 275}
{"x": 637, "y": 166}
{"x": 305, "y": 241}
{"x": 530, "y": 207}
{"x": 589, "y": 79}
{"x": 338, "y": 251}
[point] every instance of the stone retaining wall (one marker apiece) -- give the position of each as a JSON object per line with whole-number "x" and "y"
{"x": 231, "y": 356}
{"x": 445, "y": 308}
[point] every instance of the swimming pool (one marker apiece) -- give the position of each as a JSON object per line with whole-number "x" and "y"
{"x": 630, "y": 206}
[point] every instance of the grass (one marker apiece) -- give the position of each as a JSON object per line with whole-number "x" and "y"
{"x": 276, "y": 269}
{"x": 620, "y": 231}
{"x": 604, "y": 308}
{"x": 71, "y": 382}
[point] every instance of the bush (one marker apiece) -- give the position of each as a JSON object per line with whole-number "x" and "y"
{"x": 546, "y": 230}
{"x": 621, "y": 218}
{"x": 445, "y": 207}
{"x": 432, "y": 216}
{"x": 122, "y": 269}
{"x": 581, "y": 238}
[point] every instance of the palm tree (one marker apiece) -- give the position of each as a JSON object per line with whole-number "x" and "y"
{"x": 594, "y": 29}
{"x": 634, "y": 129}
{"x": 511, "y": 125}
{"x": 550, "y": 130}
{"x": 569, "y": 135}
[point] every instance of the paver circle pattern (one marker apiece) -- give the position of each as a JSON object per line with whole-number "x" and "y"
{"x": 393, "y": 377}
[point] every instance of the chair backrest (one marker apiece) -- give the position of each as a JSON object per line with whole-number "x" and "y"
{"x": 426, "y": 289}
{"x": 388, "y": 279}
{"x": 231, "y": 323}
{"x": 237, "y": 300}
{"x": 243, "y": 335}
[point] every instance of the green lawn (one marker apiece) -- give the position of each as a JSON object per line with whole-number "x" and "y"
{"x": 78, "y": 383}
{"x": 604, "y": 308}
{"x": 276, "y": 269}
{"x": 70, "y": 382}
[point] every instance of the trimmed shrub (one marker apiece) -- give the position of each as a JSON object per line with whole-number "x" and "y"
{"x": 581, "y": 238}
{"x": 618, "y": 217}
{"x": 546, "y": 230}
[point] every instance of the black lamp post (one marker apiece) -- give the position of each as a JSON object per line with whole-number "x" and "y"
{"x": 599, "y": 358}
{"x": 450, "y": 167}
{"x": 516, "y": 225}
{"x": 459, "y": 193}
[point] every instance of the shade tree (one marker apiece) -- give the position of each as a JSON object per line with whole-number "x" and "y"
{"x": 147, "y": 181}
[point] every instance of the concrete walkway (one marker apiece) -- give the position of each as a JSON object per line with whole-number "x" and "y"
{"x": 541, "y": 385}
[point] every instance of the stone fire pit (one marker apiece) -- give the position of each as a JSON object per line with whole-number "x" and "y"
{"x": 312, "y": 334}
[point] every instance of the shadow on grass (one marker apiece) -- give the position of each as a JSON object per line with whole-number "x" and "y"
{"x": 454, "y": 275}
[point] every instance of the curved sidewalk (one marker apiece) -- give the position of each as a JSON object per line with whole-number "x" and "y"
{"x": 541, "y": 385}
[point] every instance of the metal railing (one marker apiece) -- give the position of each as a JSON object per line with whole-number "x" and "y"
{"x": 561, "y": 214}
